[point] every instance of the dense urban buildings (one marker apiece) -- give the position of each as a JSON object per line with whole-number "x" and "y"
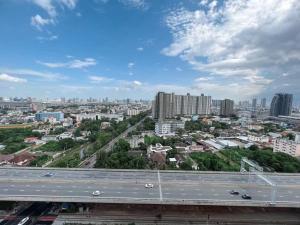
{"x": 281, "y": 104}
{"x": 169, "y": 105}
{"x": 226, "y": 108}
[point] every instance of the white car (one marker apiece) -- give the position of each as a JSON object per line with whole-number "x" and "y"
{"x": 96, "y": 193}
{"x": 23, "y": 221}
{"x": 149, "y": 185}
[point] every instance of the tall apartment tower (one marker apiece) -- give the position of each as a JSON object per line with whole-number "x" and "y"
{"x": 168, "y": 106}
{"x": 254, "y": 103}
{"x": 263, "y": 103}
{"x": 226, "y": 108}
{"x": 281, "y": 104}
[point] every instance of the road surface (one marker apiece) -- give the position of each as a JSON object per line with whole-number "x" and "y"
{"x": 128, "y": 186}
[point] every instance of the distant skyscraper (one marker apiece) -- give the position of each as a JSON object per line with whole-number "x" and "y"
{"x": 263, "y": 103}
{"x": 169, "y": 105}
{"x": 281, "y": 105}
{"x": 226, "y": 108}
{"x": 254, "y": 103}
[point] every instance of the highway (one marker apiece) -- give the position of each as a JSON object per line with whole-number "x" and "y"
{"x": 91, "y": 161}
{"x": 128, "y": 186}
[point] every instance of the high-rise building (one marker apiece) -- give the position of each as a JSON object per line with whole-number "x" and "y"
{"x": 226, "y": 108}
{"x": 281, "y": 104}
{"x": 263, "y": 103}
{"x": 169, "y": 105}
{"x": 254, "y": 103}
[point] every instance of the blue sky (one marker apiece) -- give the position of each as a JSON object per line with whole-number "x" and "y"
{"x": 134, "y": 48}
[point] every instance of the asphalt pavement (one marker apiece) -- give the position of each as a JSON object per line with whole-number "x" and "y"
{"x": 128, "y": 186}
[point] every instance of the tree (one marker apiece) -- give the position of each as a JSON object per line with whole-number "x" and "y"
{"x": 253, "y": 148}
{"x": 291, "y": 136}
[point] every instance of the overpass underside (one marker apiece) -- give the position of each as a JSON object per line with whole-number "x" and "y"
{"x": 179, "y": 214}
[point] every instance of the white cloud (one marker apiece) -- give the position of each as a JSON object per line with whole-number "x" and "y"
{"x": 9, "y": 78}
{"x": 50, "y": 6}
{"x": 137, "y": 83}
{"x": 203, "y": 79}
{"x": 73, "y": 64}
{"x": 99, "y": 79}
{"x": 252, "y": 42}
{"x": 46, "y": 5}
{"x": 38, "y": 22}
{"x": 131, "y": 65}
{"x": 34, "y": 73}
{"x": 138, "y": 4}
{"x": 178, "y": 69}
{"x": 75, "y": 88}
{"x": 47, "y": 38}
{"x": 140, "y": 49}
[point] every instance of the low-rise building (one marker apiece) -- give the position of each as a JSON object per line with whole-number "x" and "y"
{"x": 286, "y": 146}
{"x": 133, "y": 111}
{"x": 259, "y": 139}
{"x": 158, "y": 148}
{"x": 65, "y": 135}
{"x": 105, "y": 125}
{"x": 135, "y": 140}
{"x": 98, "y": 116}
{"x": 48, "y": 138}
{"x": 31, "y": 140}
{"x": 68, "y": 122}
{"x": 168, "y": 128}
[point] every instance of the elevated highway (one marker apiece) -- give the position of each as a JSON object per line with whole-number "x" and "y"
{"x": 128, "y": 186}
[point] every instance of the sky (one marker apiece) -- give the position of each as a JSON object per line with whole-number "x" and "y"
{"x": 236, "y": 49}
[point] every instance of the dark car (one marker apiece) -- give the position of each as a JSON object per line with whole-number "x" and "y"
{"x": 49, "y": 174}
{"x": 246, "y": 196}
{"x": 234, "y": 192}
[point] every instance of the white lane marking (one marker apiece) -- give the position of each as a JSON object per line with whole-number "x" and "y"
{"x": 5, "y": 189}
{"x": 12, "y": 185}
{"x": 119, "y": 192}
{"x": 70, "y": 191}
{"x": 22, "y": 190}
{"x": 58, "y": 186}
{"x": 159, "y": 185}
{"x": 27, "y": 185}
{"x": 38, "y": 190}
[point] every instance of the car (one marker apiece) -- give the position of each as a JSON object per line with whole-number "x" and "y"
{"x": 24, "y": 221}
{"x": 246, "y": 196}
{"x": 234, "y": 192}
{"x": 96, "y": 193}
{"x": 149, "y": 185}
{"x": 49, "y": 174}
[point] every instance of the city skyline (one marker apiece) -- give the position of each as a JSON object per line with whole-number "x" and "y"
{"x": 86, "y": 48}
